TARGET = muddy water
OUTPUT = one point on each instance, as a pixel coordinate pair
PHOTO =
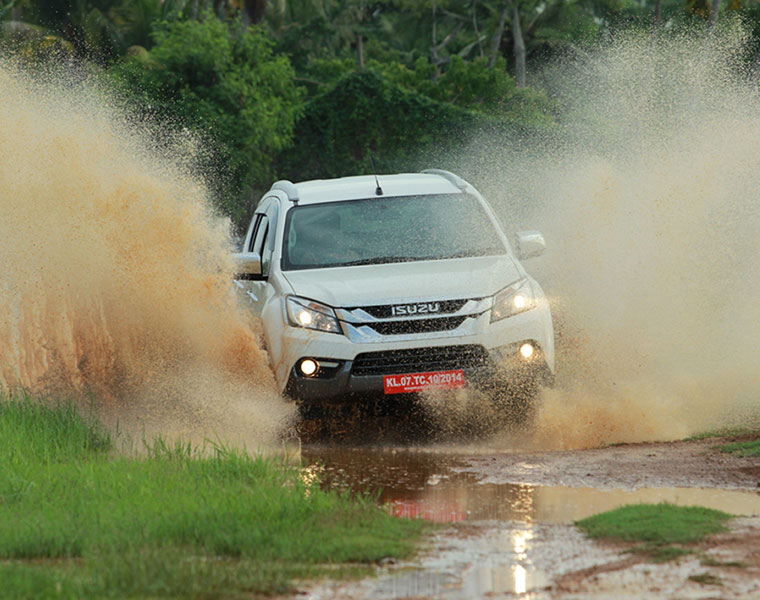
(442, 487)
(510, 539)
(648, 202)
(117, 271)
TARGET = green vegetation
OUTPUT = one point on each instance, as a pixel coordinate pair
(747, 444)
(706, 579)
(199, 74)
(659, 553)
(725, 432)
(658, 525)
(709, 561)
(79, 520)
(748, 448)
(365, 114)
(655, 523)
(313, 89)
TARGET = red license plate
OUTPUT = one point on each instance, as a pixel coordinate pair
(416, 382)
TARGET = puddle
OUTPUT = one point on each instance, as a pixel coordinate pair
(512, 540)
(429, 485)
(511, 537)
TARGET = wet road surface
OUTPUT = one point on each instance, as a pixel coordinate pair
(508, 538)
(443, 487)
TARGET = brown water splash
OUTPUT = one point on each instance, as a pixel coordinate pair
(648, 199)
(116, 273)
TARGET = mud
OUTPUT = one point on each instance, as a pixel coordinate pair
(633, 466)
(555, 562)
(508, 519)
(117, 276)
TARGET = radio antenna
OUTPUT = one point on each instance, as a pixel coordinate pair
(378, 189)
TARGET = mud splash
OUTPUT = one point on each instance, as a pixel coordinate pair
(647, 198)
(116, 277)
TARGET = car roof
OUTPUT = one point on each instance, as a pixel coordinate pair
(364, 186)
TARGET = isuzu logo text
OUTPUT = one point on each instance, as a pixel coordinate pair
(415, 309)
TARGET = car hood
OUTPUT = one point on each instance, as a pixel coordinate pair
(418, 281)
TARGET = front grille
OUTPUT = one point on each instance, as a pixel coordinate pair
(417, 325)
(385, 311)
(419, 360)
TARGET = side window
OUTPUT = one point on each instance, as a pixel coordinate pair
(256, 230)
(260, 236)
(263, 233)
(269, 241)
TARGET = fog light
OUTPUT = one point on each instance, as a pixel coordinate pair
(309, 367)
(526, 350)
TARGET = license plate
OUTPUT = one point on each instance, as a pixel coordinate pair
(416, 382)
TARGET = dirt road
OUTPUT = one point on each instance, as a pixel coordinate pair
(508, 520)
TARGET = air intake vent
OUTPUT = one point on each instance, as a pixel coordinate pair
(410, 326)
(419, 360)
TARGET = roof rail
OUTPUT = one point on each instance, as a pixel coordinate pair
(455, 179)
(288, 187)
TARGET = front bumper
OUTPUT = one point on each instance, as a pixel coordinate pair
(288, 345)
(364, 375)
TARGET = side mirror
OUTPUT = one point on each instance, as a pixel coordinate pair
(247, 265)
(529, 244)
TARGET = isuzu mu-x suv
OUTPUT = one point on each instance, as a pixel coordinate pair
(394, 284)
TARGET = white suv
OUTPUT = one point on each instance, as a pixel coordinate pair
(394, 284)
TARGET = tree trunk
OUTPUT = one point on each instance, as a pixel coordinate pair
(498, 34)
(518, 46)
(475, 26)
(713, 15)
(360, 50)
(255, 10)
(657, 18)
(435, 17)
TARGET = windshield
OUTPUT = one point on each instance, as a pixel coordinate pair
(386, 230)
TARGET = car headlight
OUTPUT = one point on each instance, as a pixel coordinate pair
(311, 315)
(512, 300)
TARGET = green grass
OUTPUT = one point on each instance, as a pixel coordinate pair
(748, 448)
(709, 561)
(655, 523)
(659, 526)
(77, 520)
(706, 579)
(724, 432)
(658, 553)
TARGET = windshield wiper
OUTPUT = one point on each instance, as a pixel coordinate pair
(377, 260)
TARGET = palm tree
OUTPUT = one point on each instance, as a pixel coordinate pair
(136, 19)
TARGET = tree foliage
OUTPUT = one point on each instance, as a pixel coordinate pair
(392, 78)
(214, 77)
(365, 114)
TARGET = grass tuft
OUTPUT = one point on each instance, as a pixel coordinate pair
(724, 432)
(34, 431)
(706, 579)
(709, 561)
(749, 448)
(658, 553)
(655, 523)
(80, 521)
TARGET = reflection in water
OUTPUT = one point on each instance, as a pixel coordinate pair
(521, 579)
(429, 485)
(418, 484)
